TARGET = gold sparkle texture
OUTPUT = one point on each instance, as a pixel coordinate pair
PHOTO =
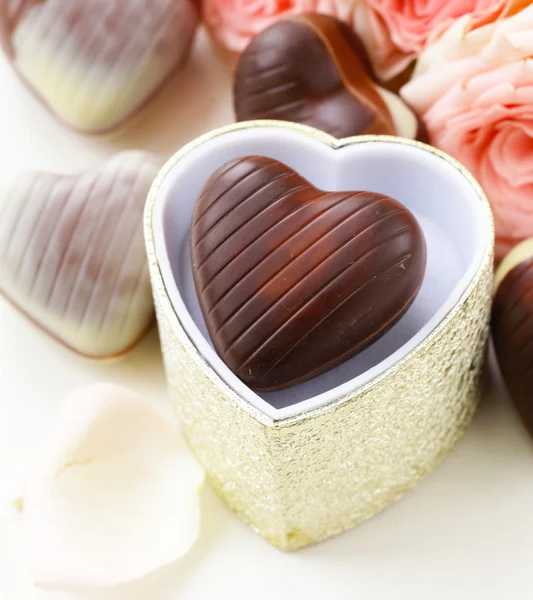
(302, 479)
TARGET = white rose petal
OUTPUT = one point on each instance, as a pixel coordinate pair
(115, 495)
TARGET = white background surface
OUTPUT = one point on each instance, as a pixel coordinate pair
(466, 532)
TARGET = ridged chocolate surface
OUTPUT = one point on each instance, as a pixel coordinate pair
(293, 280)
(95, 62)
(72, 254)
(313, 69)
(512, 330)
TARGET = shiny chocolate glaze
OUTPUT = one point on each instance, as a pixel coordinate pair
(293, 280)
(512, 330)
(313, 69)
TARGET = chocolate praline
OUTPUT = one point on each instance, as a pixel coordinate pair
(96, 63)
(512, 327)
(72, 255)
(313, 69)
(293, 280)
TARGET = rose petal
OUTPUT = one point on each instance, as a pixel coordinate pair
(114, 496)
(234, 22)
(413, 24)
(512, 156)
(463, 52)
(486, 122)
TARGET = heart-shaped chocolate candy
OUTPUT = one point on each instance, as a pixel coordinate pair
(313, 69)
(95, 62)
(72, 254)
(293, 280)
(512, 327)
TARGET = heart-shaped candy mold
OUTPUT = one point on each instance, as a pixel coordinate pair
(293, 280)
(95, 62)
(72, 256)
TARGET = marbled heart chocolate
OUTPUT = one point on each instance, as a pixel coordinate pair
(72, 254)
(96, 62)
(512, 327)
(313, 69)
(293, 280)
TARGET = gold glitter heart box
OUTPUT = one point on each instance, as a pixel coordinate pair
(305, 463)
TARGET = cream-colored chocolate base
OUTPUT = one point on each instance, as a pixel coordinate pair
(301, 478)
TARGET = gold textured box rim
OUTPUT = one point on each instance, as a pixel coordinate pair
(333, 143)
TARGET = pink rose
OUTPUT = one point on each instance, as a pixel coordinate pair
(234, 22)
(387, 59)
(412, 23)
(474, 89)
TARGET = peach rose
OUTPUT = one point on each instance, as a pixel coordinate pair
(234, 22)
(412, 23)
(474, 89)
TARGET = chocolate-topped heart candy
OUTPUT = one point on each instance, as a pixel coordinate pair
(512, 327)
(293, 280)
(72, 254)
(313, 69)
(94, 63)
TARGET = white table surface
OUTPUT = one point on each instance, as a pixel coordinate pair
(466, 532)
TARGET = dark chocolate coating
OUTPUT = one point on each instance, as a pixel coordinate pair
(312, 69)
(512, 330)
(293, 280)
